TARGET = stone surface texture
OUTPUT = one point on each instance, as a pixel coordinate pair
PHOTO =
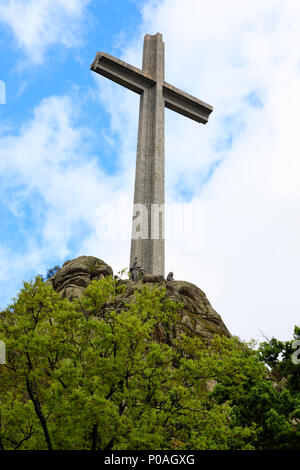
(75, 275)
(150, 165)
(197, 317)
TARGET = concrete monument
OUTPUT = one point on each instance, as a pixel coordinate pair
(147, 243)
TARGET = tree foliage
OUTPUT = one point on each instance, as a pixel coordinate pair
(273, 405)
(80, 375)
(52, 271)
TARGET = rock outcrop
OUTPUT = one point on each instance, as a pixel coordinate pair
(197, 317)
(75, 275)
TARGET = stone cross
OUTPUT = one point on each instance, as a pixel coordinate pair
(147, 242)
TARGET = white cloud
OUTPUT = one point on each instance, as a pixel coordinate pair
(225, 53)
(49, 173)
(38, 24)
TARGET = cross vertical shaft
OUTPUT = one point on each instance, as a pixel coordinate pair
(149, 191)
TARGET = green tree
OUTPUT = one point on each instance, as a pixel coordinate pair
(274, 407)
(278, 356)
(80, 375)
(52, 271)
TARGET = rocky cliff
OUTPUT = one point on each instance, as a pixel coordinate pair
(196, 316)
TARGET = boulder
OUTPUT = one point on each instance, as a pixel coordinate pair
(75, 275)
(196, 316)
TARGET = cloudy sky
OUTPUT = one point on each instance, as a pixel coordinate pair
(68, 145)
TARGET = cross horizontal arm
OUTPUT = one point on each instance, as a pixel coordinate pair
(186, 104)
(121, 72)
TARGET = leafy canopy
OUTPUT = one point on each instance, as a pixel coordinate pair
(80, 375)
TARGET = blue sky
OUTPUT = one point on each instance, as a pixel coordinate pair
(68, 143)
(64, 69)
(37, 72)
